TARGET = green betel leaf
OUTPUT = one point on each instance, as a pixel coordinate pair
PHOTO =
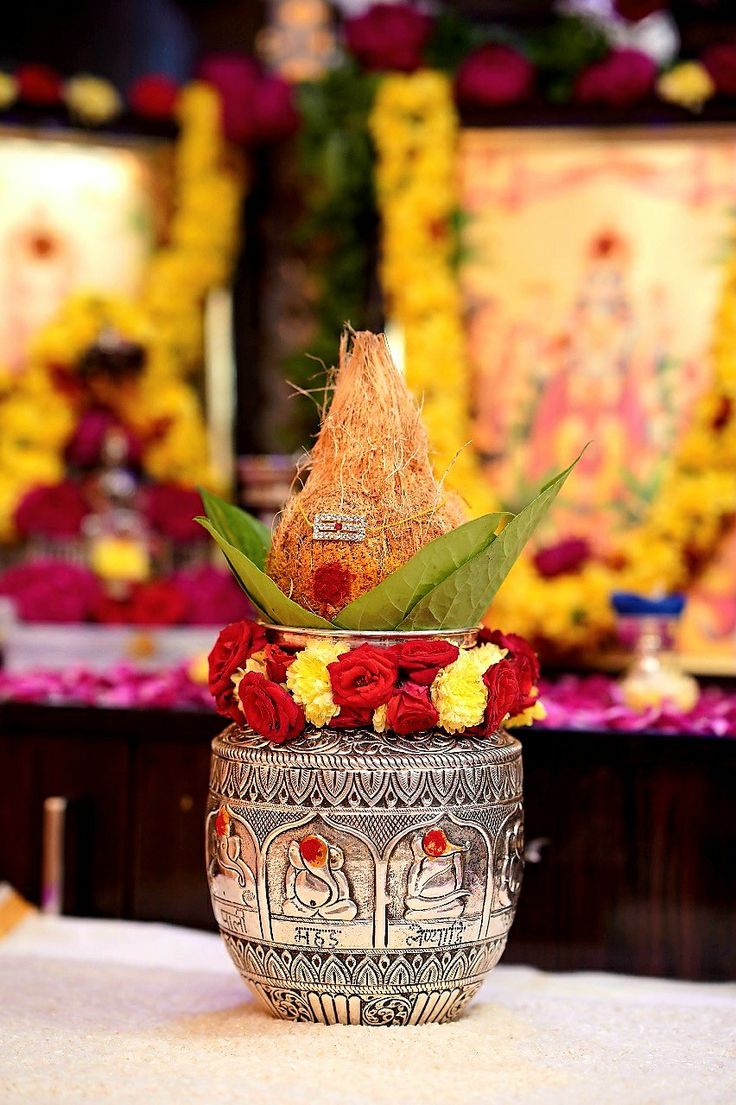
(241, 529)
(261, 590)
(463, 597)
(392, 599)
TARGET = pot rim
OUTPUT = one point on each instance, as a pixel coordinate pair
(396, 634)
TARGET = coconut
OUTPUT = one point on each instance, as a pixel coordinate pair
(370, 500)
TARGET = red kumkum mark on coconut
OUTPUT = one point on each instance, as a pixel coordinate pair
(331, 583)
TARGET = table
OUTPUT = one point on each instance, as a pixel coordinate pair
(124, 1012)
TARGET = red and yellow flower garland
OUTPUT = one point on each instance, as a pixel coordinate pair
(404, 688)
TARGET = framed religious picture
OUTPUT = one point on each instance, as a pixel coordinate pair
(593, 268)
(76, 212)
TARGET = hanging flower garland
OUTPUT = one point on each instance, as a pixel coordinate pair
(415, 128)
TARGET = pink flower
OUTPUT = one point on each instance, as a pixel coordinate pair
(621, 79)
(493, 75)
(53, 510)
(564, 557)
(256, 107)
(720, 61)
(170, 509)
(50, 591)
(85, 447)
(389, 36)
(274, 113)
(212, 596)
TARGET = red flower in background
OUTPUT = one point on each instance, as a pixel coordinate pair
(269, 710)
(420, 660)
(153, 96)
(494, 75)
(389, 36)
(51, 510)
(566, 556)
(364, 677)
(621, 79)
(157, 603)
(503, 695)
(50, 591)
(38, 84)
(410, 710)
(235, 643)
(274, 113)
(720, 61)
(170, 509)
(212, 596)
(636, 10)
(331, 584)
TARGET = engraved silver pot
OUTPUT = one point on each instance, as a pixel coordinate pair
(365, 879)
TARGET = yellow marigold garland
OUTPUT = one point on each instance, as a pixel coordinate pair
(415, 129)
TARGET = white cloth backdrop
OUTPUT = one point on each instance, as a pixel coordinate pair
(107, 1011)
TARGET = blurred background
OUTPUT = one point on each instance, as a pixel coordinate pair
(535, 200)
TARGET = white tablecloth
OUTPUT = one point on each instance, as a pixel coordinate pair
(95, 1011)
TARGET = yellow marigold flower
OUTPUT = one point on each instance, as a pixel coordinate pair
(459, 693)
(91, 99)
(689, 84)
(198, 669)
(533, 713)
(8, 90)
(379, 719)
(309, 680)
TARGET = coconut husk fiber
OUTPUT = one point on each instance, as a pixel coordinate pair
(370, 460)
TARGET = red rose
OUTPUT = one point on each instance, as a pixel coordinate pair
(170, 509)
(236, 77)
(363, 677)
(420, 659)
(331, 584)
(520, 652)
(38, 84)
(235, 644)
(720, 61)
(621, 79)
(636, 10)
(269, 709)
(388, 36)
(154, 96)
(54, 510)
(564, 557)
(157, 603)
(494, 75)
(351, 718)
(503, 695)
(410, 710)
(278, 662)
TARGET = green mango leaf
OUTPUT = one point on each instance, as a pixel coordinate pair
(238, 527)
(390, 601)
(261, 590)
(463, 597)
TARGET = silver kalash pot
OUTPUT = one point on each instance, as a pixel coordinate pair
(360, 878)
